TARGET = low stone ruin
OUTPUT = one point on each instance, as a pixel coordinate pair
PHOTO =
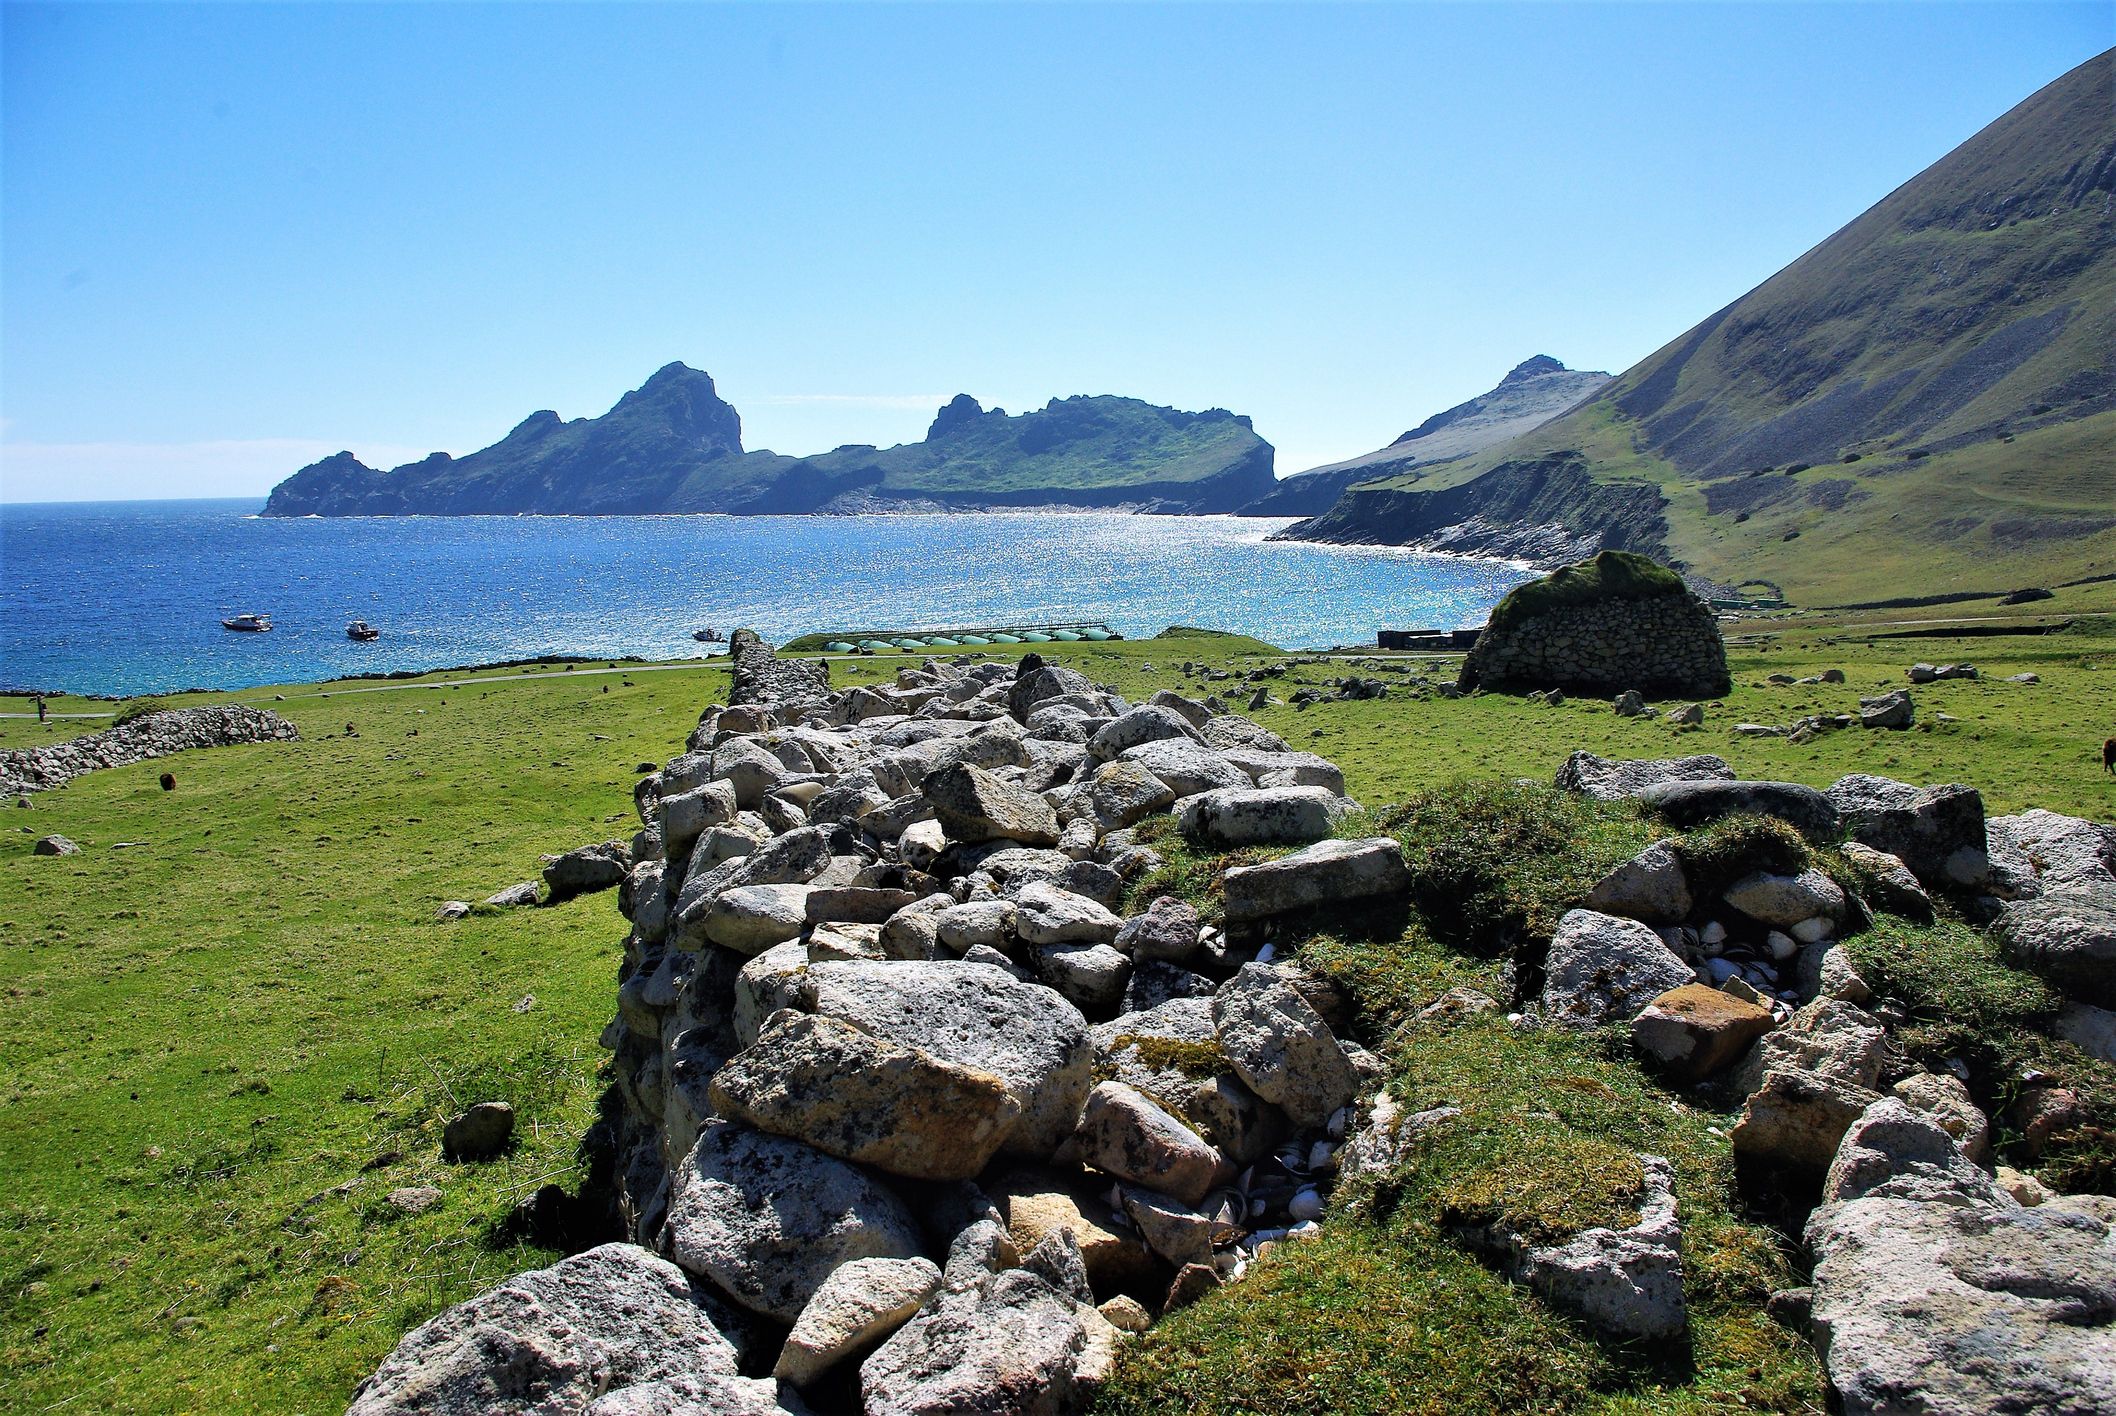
(1938, 1285)
(911, 1114)
(1608, 625)
(36, 769)
(925, 1107)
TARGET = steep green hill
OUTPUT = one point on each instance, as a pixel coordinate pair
(674, 445)
(1923, 403)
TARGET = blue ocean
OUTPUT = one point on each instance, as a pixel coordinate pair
(127, 597)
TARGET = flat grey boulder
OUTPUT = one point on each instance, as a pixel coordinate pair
(1651, 887)
(1090, 976)
(1011, 1344)
(2065, 852)
(2066, 936)
(56, 845)
(588, 868)
(866, 1099)
(1611, 779)
(1939, 832)
(1327, 872)
(1603, 969)
(1228, 731)
(1121, 794)
(1934, 1292)
(1188, 767)
(751, 918)
(1889, 710)
(1046, 914)
(1149, 722)
(767, 1219)
(1288, 769)
(1888, 884)
(1281, 1047)
(976, 806)
(1687, 804)
(975, 1015)
(606, 1321)
(1260, 816)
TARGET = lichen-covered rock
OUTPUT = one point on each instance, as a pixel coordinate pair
(1260, 816)
(1149, 722)
(977, 1016)
(1608, 779)
(1188, 767)
(976, 806)
(767, 1219)
(1938, 832)
(1047, 914)
(866, 1099)
(1888, 884)
(1012, 1343)
(1123, 1133)
(858, 1306)
(1034, 1204)
(1650, 887)
(608, 1320)
(1693, 1031)
(2069, 937)
(1602, 969)
(1281, 1047)
(1167, 930)
(1785, 900)
(1328, 872)
(1935, 1292)
(589, 868)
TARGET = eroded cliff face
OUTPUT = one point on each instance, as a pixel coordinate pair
(1547, 511)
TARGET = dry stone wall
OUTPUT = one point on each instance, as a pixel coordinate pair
(35, 769)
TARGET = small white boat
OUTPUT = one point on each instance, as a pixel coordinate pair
(248, 624)
(362, 631)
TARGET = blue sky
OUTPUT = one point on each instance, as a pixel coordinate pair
(234, 238)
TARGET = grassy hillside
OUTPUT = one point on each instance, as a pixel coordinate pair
(226, 1043)
(1927, 394)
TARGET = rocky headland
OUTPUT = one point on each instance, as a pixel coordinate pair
(674, 445)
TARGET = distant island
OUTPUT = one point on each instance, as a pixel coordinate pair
(674, 445)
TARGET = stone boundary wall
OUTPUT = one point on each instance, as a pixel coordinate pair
(37, 769)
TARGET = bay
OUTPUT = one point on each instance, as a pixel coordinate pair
(127, 597)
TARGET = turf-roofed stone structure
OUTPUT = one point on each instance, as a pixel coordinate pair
(1605, 625)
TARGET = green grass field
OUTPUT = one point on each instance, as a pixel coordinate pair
(226, 1041)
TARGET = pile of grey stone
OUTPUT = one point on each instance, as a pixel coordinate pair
(925, 1108)
(1941, 1283)
(36, 769)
